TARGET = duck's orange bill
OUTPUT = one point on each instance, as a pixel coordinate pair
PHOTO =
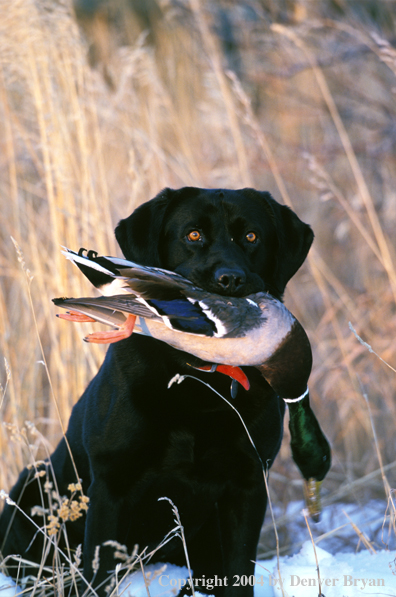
(233, 372)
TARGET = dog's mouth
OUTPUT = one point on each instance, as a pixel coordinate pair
(228, 282)
(256, 284)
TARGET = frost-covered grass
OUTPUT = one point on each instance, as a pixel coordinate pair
(370, 570)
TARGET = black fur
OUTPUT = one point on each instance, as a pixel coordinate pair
(135, 441)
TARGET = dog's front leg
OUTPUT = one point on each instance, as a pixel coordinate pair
(102, 526)
(240, 519)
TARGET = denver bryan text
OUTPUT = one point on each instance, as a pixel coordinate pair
(344, 581)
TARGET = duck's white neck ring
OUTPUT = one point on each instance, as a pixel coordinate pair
(297, 399)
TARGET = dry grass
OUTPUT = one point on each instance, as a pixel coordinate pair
(309, 115)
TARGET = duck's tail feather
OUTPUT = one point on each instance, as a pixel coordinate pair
(148, 282)
(99, 272)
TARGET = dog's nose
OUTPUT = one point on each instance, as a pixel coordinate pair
(230, 279)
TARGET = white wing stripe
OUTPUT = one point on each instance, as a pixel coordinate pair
(221, 330)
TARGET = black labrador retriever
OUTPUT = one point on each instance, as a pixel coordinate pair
(134, 440)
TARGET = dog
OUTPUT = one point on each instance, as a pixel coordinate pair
(134, 440)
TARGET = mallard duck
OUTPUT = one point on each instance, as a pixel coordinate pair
(226, 332)
(256, 330)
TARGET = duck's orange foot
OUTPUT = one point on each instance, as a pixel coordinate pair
(74, 316)
(123, 332)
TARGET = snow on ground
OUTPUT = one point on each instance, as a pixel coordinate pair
(334, 532)
(342, 573)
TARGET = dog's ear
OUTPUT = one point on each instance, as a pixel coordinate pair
(294, 238)
(138, 235)
(294, 241)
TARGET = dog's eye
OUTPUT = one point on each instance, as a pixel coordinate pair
(251, 237)
(194, 235)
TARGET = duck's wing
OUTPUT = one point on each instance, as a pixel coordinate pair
(155, 283)
(111, 275)
(233, 317)
(93, 312)
(179, 315)
(208, 315)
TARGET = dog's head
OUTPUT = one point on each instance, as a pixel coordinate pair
(229, 242)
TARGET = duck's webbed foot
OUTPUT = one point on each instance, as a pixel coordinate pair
(123, 332)
(76, 317)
